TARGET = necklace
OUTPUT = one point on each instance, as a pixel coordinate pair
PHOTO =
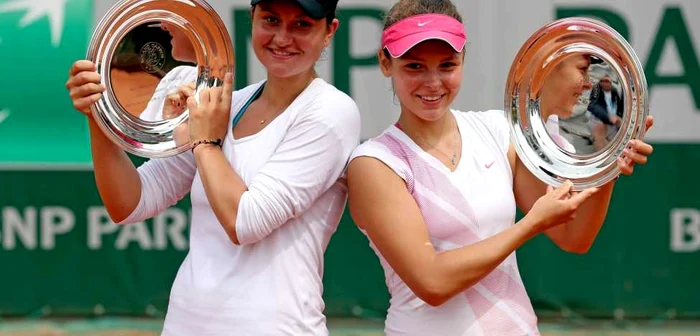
(453, 157)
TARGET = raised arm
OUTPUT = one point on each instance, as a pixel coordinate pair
(306, 164)
(117, 180)
(164, 182)
(578, 235)
(129, 194)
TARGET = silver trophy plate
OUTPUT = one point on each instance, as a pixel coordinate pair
(576, 94)
(148, 52)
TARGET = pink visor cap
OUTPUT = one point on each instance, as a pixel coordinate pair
(407, 33)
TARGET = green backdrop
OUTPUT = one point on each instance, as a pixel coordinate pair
(60, 255)
(58, 250)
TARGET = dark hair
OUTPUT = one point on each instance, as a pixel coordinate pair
(408, 8)
(330, 6)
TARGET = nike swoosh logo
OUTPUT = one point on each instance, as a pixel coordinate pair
(488, 165)
(421, 24)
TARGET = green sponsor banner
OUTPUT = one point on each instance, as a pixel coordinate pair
(644, 261)
(61, 254)
(39, 40)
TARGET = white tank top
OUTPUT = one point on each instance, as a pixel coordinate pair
(460, 208)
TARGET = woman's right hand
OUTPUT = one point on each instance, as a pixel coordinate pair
(84, 85)
(558, 206)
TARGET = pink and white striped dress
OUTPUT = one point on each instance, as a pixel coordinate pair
(460, 208)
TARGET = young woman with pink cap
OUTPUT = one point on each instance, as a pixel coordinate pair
(436, 193)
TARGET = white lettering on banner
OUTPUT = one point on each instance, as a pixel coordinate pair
(136, 232)
(19, 229)
(55, 221)
(685, 230)
(15, 225)
(99, 224)
(168, 226)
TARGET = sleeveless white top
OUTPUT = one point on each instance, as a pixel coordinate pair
(460, 208)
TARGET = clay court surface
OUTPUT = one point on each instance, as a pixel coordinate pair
(338, 327)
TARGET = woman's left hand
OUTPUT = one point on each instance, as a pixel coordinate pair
(209, 119)
(636, 152)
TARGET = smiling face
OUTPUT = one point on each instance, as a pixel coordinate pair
(426, 79)
(565, 84)
(286, 40)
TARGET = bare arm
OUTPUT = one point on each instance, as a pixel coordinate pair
(381, 205)
(578, 235)
(116, 177)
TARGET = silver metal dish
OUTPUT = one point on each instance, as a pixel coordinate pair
(576, 94)
(144, 51)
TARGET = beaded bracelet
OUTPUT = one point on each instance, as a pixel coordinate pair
(217, 142)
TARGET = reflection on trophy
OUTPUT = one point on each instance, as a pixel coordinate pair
(146, 69)
(152, 55)
(561, 92)
(582, 104)
(577, 95)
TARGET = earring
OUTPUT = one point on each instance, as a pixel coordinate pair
(324, 55)
(393, 93)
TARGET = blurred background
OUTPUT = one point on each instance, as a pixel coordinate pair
(65, 269)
